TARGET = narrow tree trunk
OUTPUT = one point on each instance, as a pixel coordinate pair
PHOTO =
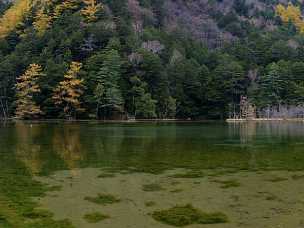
(3, 109)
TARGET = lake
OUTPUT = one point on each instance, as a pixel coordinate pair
(93, 174)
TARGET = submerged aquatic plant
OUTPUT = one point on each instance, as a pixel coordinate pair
(95, 217)
(177, 190)
(48, 223)
(152, 188)
(297, 177)
(228, 183)
(277, 179)
(150, 203)
(187, 215)
(106, 175)
(37, 214)
(103, 199)
(189, 174)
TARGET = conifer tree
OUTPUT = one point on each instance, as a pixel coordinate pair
(26, 87)
(107, 93)
(67, 94)
(144, 105)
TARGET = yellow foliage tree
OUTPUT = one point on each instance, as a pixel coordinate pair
(68, 92)
(42, 22)
(26, 87)
(13, 16)
(292, 14)
(90, 10)
(65, 5)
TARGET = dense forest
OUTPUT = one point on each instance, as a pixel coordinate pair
(116, 59)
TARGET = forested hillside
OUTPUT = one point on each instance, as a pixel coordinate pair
(109, 59)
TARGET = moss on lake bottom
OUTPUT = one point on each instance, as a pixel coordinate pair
(49, 223)
(187, 215)
(3, 222)
(95, 217)
(150, 203)
(277, 179)
(189, 174)
(177, 190)
(103, 199)
(152, 188)
(106, 175)
(228, 183)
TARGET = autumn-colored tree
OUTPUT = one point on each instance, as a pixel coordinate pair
(14, 16)
(67, 94)
(42, 22)
(65, 5)
(26, 87)
(292, 14)
(90, 10)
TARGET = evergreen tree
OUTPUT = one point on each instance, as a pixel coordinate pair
(107, 93)
(144, 105)
(271, 86)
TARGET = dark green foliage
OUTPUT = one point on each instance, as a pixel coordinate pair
(177, 76)
(187, 215)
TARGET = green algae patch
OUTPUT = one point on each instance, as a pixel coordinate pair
(103, 199)
(152, 188)
(37, 214)
(188, 215)
(3, 222)
(54, 188)
(228, 183)
(277, 179)
(189, 174)
(18, 191)
(48, 223)
(106, 175)
(150, 203)
(95, 217)
(178, 190)
(297, 177)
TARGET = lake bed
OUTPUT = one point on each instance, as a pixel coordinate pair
(248, 174)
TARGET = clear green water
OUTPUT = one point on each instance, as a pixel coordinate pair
(30, 150)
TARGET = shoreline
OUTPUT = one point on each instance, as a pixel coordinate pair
(265, 120)
(13, 120)
(110, 121)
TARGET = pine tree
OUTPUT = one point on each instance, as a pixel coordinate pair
(271, 85)
(67, 94)
(26, 87)
(144, 105)
(90, 10)
(107, 93)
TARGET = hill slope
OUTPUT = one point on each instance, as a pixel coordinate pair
(147, 58)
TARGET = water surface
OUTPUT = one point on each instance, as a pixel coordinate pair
(252, 172)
